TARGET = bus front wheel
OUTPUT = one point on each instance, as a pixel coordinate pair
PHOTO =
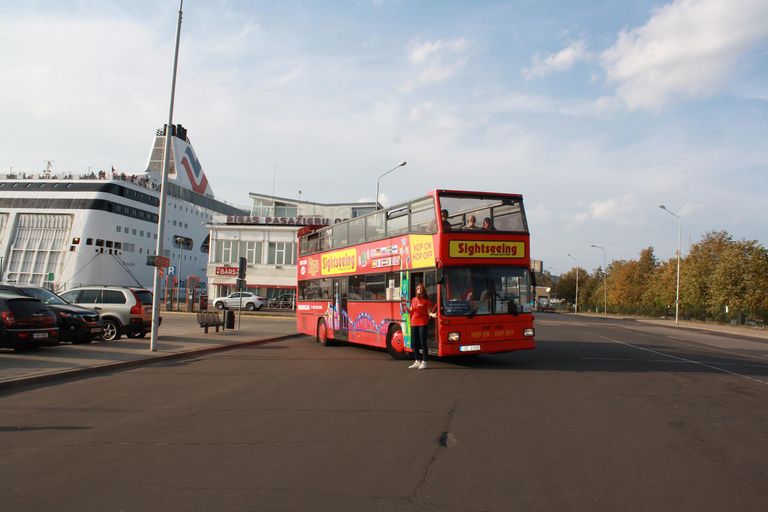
(322, 334)
(396, 343)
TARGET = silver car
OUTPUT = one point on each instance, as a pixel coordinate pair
(248, 300)
(124, 310)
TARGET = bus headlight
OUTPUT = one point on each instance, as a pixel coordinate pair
(528, 333)
(454, 336)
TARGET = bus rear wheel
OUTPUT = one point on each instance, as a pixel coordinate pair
(396, 343)
(322, 334)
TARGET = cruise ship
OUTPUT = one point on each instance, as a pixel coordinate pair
(64, 230)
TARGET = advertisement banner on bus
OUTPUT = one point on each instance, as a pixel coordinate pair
(486, 249)
(409, 252)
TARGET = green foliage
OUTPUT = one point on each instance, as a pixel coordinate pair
(718, 272)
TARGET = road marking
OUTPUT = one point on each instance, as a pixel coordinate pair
(682, 359)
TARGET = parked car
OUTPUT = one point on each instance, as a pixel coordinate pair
(282, 301)
(76, 324)
(124, 310)
(26, 323)
(248, 300)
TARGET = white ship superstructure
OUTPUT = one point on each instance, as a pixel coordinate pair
(64, 231)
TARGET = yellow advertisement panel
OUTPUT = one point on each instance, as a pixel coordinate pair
(486, 249)
(422, 251)
(339, 262)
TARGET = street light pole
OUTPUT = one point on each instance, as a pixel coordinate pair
(556, 276)
(577, 283)
(605, 279)
(677, 293)
(180, 241)
(377, 181)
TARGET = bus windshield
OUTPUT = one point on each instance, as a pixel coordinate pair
(485, 291)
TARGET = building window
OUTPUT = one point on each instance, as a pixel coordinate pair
(281, 253)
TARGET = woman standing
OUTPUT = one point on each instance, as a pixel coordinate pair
(420, 312)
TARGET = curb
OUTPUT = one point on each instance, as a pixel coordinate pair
(120, 365)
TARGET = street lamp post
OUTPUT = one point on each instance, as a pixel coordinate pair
(605, 280)
(677, 293)
(377, 181)
(556, 275)
(180, 241)
(577, 283)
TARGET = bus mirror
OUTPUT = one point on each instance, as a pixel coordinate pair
(439, 277)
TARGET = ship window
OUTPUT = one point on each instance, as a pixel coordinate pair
(41, 185)
(99, 243)
(109, 243)
(69, 185)
(14, 185)
(27, 185)
(118, 228)
(118, 245)
(89, 241)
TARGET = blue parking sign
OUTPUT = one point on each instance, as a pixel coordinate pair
(172, 271)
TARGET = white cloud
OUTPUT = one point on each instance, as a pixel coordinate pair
(543, 65)
(438, 61)
(623, 210)
(687, 49)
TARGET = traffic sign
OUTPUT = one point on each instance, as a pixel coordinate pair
(172, 270)
(158, 261)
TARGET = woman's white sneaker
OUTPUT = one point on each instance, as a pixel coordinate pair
(423, 365)
(417, 364)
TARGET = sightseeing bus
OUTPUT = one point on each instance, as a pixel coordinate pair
(470, 250)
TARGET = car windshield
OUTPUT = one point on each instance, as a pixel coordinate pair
(46, 296)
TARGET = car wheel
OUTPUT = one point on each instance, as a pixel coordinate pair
(219, 305)
(250, 306)
(111, 330)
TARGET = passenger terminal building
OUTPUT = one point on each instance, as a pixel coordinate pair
(267, 238)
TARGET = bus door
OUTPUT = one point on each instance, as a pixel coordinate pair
(340, 288)
(429, 281)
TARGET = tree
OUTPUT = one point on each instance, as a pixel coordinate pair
(700, 264)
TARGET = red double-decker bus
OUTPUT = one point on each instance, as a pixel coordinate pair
(471, 251)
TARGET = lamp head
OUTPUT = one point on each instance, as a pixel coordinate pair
(662, 207)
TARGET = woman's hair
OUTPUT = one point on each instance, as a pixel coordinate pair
(423, 295)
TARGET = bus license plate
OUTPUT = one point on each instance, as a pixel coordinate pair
(40, 335)
(469, 348)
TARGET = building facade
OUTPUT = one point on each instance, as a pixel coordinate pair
(267, 239)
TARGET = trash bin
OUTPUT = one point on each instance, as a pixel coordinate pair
(229, 319)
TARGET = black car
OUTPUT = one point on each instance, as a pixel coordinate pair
(26, 323)
(76, 323)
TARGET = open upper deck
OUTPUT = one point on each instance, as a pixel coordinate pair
(504, 214)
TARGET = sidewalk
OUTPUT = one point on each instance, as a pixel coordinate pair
(180, 336)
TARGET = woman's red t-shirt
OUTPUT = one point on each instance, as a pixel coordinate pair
(419, 311)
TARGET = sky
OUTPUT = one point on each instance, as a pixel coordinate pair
(596, 111)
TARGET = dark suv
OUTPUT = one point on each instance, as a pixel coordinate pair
(76, 324)
(124, 310)
(26, 323)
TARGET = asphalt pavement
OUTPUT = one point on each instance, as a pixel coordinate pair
(180, 336)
